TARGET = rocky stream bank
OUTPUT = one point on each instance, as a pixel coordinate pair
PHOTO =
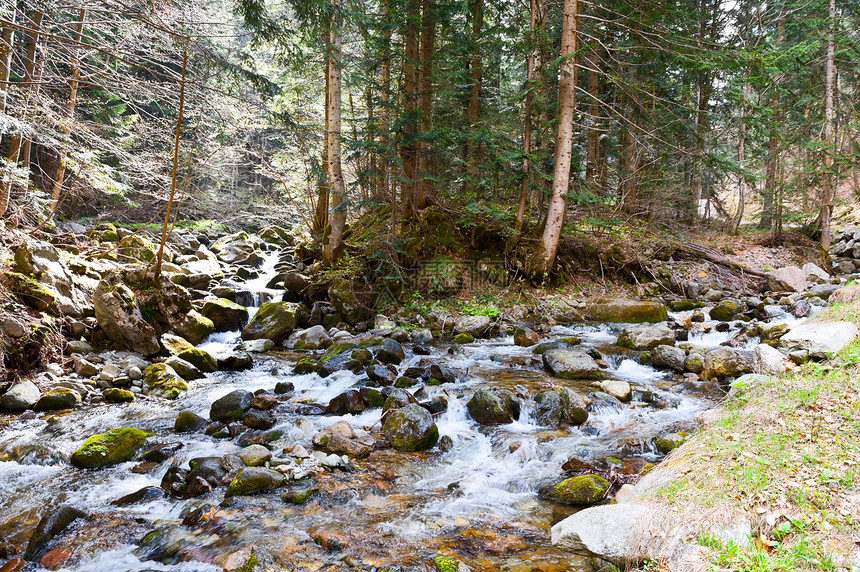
(243, 413)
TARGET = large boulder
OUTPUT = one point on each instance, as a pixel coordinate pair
(584, 490)
(669, 356)
(410, 428)
(727, 310)
(493, 407)
(195, 327)
(627, 311)
(561, 404)
(476, 326)
(646, 336)
(231, 407)
(273, 321)
(41, 261)
(815, 274)
(226, 316)
(201, 359)
(21, 396)
(787, 279)
(820, 339)
(722, 362)
(571, 363)
(236, 248)
(138, 248)
(768, 360)
(253, 480)
(114, 447)
(58, 399)
(120, 316)
(162, 379)
(352, 302)
(313, 338)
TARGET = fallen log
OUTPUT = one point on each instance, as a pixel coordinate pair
(713, 256)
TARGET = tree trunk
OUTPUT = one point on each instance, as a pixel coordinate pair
(473, 147)
(333, 246)
(70, 112)
(541, 261)
(527, 130)
(410, 188)
(773, 145)
(828, 191)
(742, 178)
(629, 199)
(7, 42)
(32, 76)
(385, 157)
(592, 154)
(428, 41)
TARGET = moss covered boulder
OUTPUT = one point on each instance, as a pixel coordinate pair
(352, 301)
(195, 327)
(727, 310)
(231, 407)
(444, 563)
(273, 321)
(30, 291)
(646, 336)
(574, 363)
(175, 345)
(226, 316)
(201, 359)
(254, 480)
(160, 377)
(117, 395)
(42, 262)
(492, 407)
(411, 428)
(584, 490)
(120, 316)
(627, 311)
(139, 248)
(114, 447)
(58, 399)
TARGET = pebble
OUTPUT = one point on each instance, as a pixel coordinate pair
(134, 373)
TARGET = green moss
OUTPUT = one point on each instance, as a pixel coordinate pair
(29, 291)
(429, 440)
(114, 447)
(299, 497)
(446, 563)
(200, 358)
(464, 338)
(304, 366)
(583, 490)
(161, 377)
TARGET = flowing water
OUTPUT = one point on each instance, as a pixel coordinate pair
(478, 500)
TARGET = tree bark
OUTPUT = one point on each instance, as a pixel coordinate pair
(428, 41)
(70, 112)
(473, 148)
(828, 191)
(7, 42)
(742, 141)
(593, 151)
(410, 188)
(333, 245)
(629, 198)
(773, 145)
(541, 261)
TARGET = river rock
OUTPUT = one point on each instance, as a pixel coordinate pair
(561, 404)
(119, 315)
(350, 401)
(254, 455)
(525, 337)
(390, 352)
(161, 378)
(188, 422)
(820, 339)
(49, 527)
(273, 321)
(256, 419)
(571, 363)
(78, 347)
(352, 302)
(339, 445)
(815, 274)
(494, 407)
(226, 316)
(195, 327)
(114, 447)
(118, 395)
(787, 279)
(231, 407)
(258, 346)
(627, 311)
(58, 399)
(313, 338)
(548, 410)
(44, 263)
(380, 374)
(144, 495)
(185, 369)
(411, 428)
(646, 336)
(668, 442)
(201, 359)
(584, 490)
(236, 360)
(253, 480)
(235, 248)
(13, 328)
(174, 344)
(723, 362)
(617, 388)
(21, 396)
(727, 310)
(669, 356)
(476, 326)
(768, 360)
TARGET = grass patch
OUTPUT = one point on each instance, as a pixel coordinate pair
(786, 453)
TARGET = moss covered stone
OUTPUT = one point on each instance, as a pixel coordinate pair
(117, 395)
(58, 399)
(411, 428)
(253, 480)
(29, 291)
(226, 316)
(445, 563)
(175, 345)
(273, 321)
(161, 377)
(726, 310)
(139, 248)
(114, 447)
(583, 490)
(195, 327)
(203, 360)
(464, 338)
(627, 311)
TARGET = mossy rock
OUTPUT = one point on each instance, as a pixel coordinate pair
(464, 338)
(175, 345)
(584, 490)
(445, 563)
(411, 428)
(299, 497)
(161, 377)
(29, 291)
(627, 311)
(726, 310)
(108, 232)
(139, 248)
(58, 399)
(226, 316)
(273, 321)
(685, 305)
(118, 395)
(203, 360)
(195, 327)
(112, 448)
(304, 366)
(670, 441)
(253, 480)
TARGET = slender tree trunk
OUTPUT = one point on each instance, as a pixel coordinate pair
(7, 42)
(333, 246)
(527, 130)
(629, 185)
(773, 145)
(742, 141)
(70, 112)
(385, 158)
(541, 262)
(176, 140)
(409, 150)
(473, 147)
(32, 76)
(428, 41)
(828, 191)
(592, 143)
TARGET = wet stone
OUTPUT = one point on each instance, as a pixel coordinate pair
(257, 419)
